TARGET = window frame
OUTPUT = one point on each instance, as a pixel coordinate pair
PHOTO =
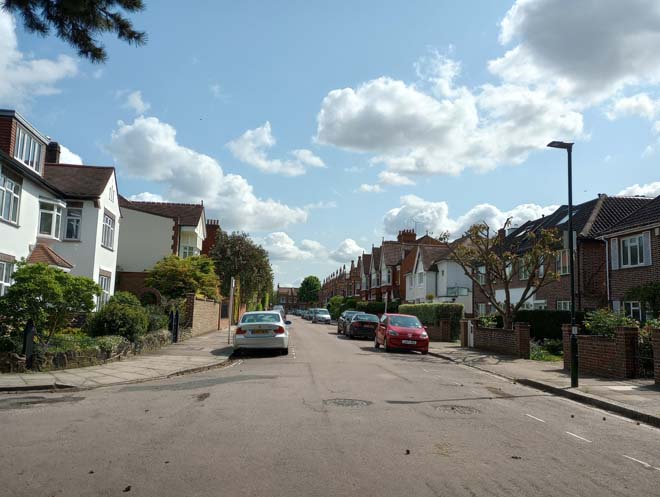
(6, 279)
(625, 251)
(108, 230)
(10, 189)
(28, 149)
(630, 306)
(560, 269)
(523, 271)
(70, 210)
(563, 305)
(105, 291)
(55, 231)
(481, 275)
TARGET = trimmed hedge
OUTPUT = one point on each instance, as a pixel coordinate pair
(431, 314)
(545, 324)
(377, 307)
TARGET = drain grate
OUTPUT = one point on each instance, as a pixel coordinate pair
(346, 402)
(454, 409)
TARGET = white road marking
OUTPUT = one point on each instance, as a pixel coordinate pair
(534, 417)
(578, 436)
(645, 464)
(234, 364)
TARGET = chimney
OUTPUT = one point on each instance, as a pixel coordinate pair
(406, 236)
(53, 153)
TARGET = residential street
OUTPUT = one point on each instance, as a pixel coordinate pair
(333, 418)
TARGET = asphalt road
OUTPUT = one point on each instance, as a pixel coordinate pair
(334, 418)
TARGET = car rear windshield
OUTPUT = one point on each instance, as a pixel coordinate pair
(261, 318)
(405, 321)
(324, 312)
(366, 317)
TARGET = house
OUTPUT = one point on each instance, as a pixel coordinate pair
(152, 231)
(589, 220)
(64, 215)
(365, 276)
(375, 274)
(288, 297)
(212, 229)
(633, 257)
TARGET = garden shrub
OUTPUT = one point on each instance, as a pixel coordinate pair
(10, 343)
(76, 342)
(431, 314)
(125, 298)
(373, 307)
(158, 317)
(604, 322)
(128, 321)
(111, 343)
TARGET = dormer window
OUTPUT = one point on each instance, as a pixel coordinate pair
(27, 149)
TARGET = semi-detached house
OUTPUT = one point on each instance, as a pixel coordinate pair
(63, 215)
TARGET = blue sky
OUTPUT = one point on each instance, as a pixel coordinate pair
(321, 128)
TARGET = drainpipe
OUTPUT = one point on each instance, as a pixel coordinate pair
(607, 270)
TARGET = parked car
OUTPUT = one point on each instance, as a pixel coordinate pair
(344, 320)
(262, 330)
(321, 316)
(281, 309)
(401, 331)
(307, 314)
(362, 326)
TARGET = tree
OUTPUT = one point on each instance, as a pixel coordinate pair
(236, 255)
(492, 261)
(80, 22)
(309, 290)
(335, 306)
(48, 296)
(174, 277)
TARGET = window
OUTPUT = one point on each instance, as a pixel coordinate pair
(104, 283)
(111, 193)
(633, 310)
(523, 272)
(188, 251)
(563, 262)
(73, 220)
(410, 281)
(6, 270)
(389, 276)
(50, 219)
(282, 300)
(10, 197)
(481, 309)
(632, 251)
(563, 305)
(540, 305)
(420, 279)
(27, 149)
(481, 275)
(108, 236)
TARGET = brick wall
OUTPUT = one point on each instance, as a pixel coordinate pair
(656, 355)
(202, 315)
(440, 333)
(510, 342)
(7, 135)
(623, 279)
(609, 357)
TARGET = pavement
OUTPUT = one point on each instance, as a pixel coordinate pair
(195, 354)
(635, 399)
(335, 417)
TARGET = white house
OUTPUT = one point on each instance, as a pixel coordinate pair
(434, 273)
(65, 216)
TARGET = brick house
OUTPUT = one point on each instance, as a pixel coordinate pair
(375, 274)
(365, 278)
(589, 220)
(212, 228)
(633, 257)
(152, 231)
(64, 215)
(288, 297)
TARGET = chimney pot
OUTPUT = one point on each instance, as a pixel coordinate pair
(53, 153)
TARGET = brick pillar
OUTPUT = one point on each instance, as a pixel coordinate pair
(463, 333)
(566, 342)
(627, 351)
(521, 331)
(445, 330)
(656, 354)
(189, 311)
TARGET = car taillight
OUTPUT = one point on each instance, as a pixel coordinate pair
(239, 331)
(279, 330)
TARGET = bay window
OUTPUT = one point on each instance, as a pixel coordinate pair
(50, 219)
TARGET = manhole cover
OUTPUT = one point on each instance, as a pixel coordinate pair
(457, 409)
(346, 402)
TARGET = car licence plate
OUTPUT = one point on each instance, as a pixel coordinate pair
(409, 342)
(260, 332)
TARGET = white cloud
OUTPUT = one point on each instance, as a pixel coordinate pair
(347, 251)
(640, 104)
(592, 50)
(281, 247)
(391, 178)
(370, 188)
(251, 148)
(68, 157)
(22, 78)
(434, 216)
(322, 204)
(147, 148)
(147, 197)
(647, 190)
(134, 101)
(353, 169)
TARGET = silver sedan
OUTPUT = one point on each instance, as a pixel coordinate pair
(262, 330)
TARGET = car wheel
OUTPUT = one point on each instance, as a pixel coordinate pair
(424, 352)
(338, 330)
(350, 334)
(285, 351)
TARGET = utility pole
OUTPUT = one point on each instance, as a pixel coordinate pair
(231, 308)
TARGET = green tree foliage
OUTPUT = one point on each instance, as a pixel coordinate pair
(121, 317)
(309, 290)
(236, 255)
(48, 296)
(174, 277)
(335, 306)
(497, 259)
(649, 294)
(80, 22)
(605, 322)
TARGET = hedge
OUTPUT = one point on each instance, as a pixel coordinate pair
(376, 307)
(431, 314)
(545, 323)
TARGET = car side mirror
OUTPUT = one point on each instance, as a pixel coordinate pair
(288, 323)
(426, 327)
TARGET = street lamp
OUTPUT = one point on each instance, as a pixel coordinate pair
(568, 146)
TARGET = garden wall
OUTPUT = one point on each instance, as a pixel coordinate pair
(441, 332)
(513, 342)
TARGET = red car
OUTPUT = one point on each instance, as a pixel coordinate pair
(401, 331)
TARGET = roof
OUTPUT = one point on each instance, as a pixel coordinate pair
(430, 254)
(43, 253)
(375, 257)
(25, 171)
(78, 181)
(648, 214)
(391, 253)
(287, 290)
(366, 263)
(187, 214)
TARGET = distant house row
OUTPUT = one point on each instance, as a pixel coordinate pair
(73, 217)
(617, 247)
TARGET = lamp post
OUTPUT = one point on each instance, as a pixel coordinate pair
(568, 146)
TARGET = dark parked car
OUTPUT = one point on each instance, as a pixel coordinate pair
(362, 326)
(343, 321)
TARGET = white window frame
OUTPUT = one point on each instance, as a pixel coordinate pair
(481, 275)
(78, 218)
(10, 199)
(6, 270)
(420, 279)
(27, 149)
(481, 309)
(632, 307)
(389, 276)
(108, 234)
(111, 193)
(540, 305)
(53, 209)
(523, 271)
(561, 269)
(188, 251)
(627, 248)
(563, 305)
(104, 283)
